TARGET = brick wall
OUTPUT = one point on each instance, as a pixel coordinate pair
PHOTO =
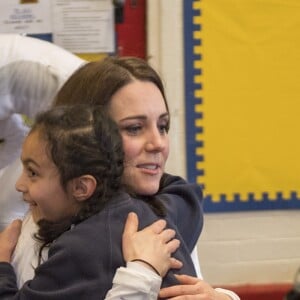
(254, 247)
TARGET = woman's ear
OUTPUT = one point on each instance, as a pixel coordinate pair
(83, 187)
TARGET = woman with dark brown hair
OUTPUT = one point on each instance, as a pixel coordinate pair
(127, 88)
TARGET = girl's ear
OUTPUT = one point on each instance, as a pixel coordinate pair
(83, 187)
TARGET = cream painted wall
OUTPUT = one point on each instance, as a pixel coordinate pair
(234, 248)
(166, 55)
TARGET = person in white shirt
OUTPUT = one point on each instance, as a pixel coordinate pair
(31, 72)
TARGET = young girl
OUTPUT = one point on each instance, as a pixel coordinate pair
(72, 180)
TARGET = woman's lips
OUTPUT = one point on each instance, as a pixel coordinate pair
(148, 166)
(149, 169)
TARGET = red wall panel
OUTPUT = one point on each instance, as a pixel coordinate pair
(131, 31)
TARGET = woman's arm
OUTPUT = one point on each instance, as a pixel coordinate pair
(175, 185)
(8, 240)
(194, 288)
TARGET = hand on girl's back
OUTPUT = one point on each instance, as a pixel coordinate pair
(154, 244)
(8, 240)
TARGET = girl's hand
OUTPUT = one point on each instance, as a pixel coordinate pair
(191, 288)
(8, 240)
(154, 244)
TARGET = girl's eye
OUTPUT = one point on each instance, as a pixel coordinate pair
(31, 173)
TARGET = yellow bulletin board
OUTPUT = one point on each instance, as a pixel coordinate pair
(242, 63)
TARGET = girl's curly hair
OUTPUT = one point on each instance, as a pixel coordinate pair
(81, 140)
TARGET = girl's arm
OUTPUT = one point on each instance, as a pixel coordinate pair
(134, 282)
(138, 280)
(153, 244)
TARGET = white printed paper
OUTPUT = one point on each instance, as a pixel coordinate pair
(84, 26)
(28, 17)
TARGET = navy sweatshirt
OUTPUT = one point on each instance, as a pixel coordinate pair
(82, 261)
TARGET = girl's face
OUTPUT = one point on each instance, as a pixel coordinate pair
(141, 114)
(40, 183)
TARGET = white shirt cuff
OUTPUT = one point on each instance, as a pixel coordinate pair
(135, 282)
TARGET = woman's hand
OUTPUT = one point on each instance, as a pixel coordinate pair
(154, 244)
(191, 288)
(8, 240)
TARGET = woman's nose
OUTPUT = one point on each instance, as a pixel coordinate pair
(155, 141)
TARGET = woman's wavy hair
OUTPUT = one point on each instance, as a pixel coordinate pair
(96, 82)
(81, 140)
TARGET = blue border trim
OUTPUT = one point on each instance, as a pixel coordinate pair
(190, 87)
(264, 202)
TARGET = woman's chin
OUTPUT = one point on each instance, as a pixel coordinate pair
(143, 184)
(148, 189)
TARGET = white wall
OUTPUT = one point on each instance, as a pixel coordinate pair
(248, 247)
(166, 55)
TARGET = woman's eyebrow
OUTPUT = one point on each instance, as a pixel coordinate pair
(134, 117)
(164, 115)
(144, 117)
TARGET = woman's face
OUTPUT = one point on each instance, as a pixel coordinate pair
(141, 114)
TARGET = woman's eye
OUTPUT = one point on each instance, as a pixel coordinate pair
(133, 130)
(164, 128)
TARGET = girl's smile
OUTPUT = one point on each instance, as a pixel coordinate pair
(40, 182)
